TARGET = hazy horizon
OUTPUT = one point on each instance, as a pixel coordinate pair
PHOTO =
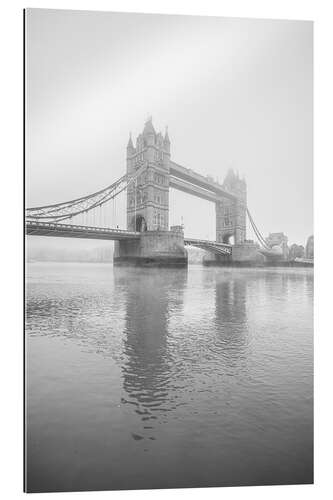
(233, 92)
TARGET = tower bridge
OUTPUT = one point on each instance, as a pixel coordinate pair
(147, 238)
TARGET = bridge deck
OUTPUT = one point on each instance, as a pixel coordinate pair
(75, 231)
(102, 233)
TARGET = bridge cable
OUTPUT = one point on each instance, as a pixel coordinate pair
(257, 232)
(83, 205)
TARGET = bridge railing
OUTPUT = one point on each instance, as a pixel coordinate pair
(73, 227)
(188, 241)
(210, 246)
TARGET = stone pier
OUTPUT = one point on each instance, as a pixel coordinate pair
(245, 254)
(153, 248)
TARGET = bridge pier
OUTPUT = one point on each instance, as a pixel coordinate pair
(245, 254)
(153, 248)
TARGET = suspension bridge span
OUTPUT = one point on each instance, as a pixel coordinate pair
(147, 238)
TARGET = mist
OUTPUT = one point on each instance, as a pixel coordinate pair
(233, 92)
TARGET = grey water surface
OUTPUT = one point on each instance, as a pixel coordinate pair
(155, 378)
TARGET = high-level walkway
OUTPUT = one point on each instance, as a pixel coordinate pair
(188, 181)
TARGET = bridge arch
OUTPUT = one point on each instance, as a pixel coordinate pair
(209, 246)
(139, 223)
(228, 238)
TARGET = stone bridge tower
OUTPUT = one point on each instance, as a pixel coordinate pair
(148, 195)
(230, 214)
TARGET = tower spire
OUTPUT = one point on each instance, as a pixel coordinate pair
(149, 127)
(166, 136)
(130, 146)
(166, 141)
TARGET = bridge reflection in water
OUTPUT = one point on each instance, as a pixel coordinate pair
(169, 378)
(161, 353)
(148, 371)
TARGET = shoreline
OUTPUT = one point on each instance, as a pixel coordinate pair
(250, 265)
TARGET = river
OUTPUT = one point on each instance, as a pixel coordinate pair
(156, 378)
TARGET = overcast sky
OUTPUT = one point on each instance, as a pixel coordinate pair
(234, 93)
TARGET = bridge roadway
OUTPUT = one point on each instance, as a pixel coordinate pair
(33, 228)
(74, 231)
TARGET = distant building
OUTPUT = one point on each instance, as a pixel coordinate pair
(296, 252)
(277, 241)
(309, 248)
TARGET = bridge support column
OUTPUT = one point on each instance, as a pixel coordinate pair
(148, 195)
(243, 255)
(231, 214)
(154, 248)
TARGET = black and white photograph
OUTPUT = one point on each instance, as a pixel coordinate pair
(169, 251)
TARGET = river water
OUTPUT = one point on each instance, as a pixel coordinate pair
(146, 378)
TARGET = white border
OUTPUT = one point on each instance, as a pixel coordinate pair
(11, 243)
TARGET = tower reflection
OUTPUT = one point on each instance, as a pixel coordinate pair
(232, 332)
(152, 296)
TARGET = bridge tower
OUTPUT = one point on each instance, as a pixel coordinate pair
(148, 195)
(231, 215)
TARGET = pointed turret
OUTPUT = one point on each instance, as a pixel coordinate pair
(166, 137)
(149, 134)
(231, 177)
(149, 128)
(166, 141)
(130, 146)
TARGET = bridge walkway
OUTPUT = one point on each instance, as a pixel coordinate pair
(37, 228)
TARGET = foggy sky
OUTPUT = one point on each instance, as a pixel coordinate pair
(233, 92)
